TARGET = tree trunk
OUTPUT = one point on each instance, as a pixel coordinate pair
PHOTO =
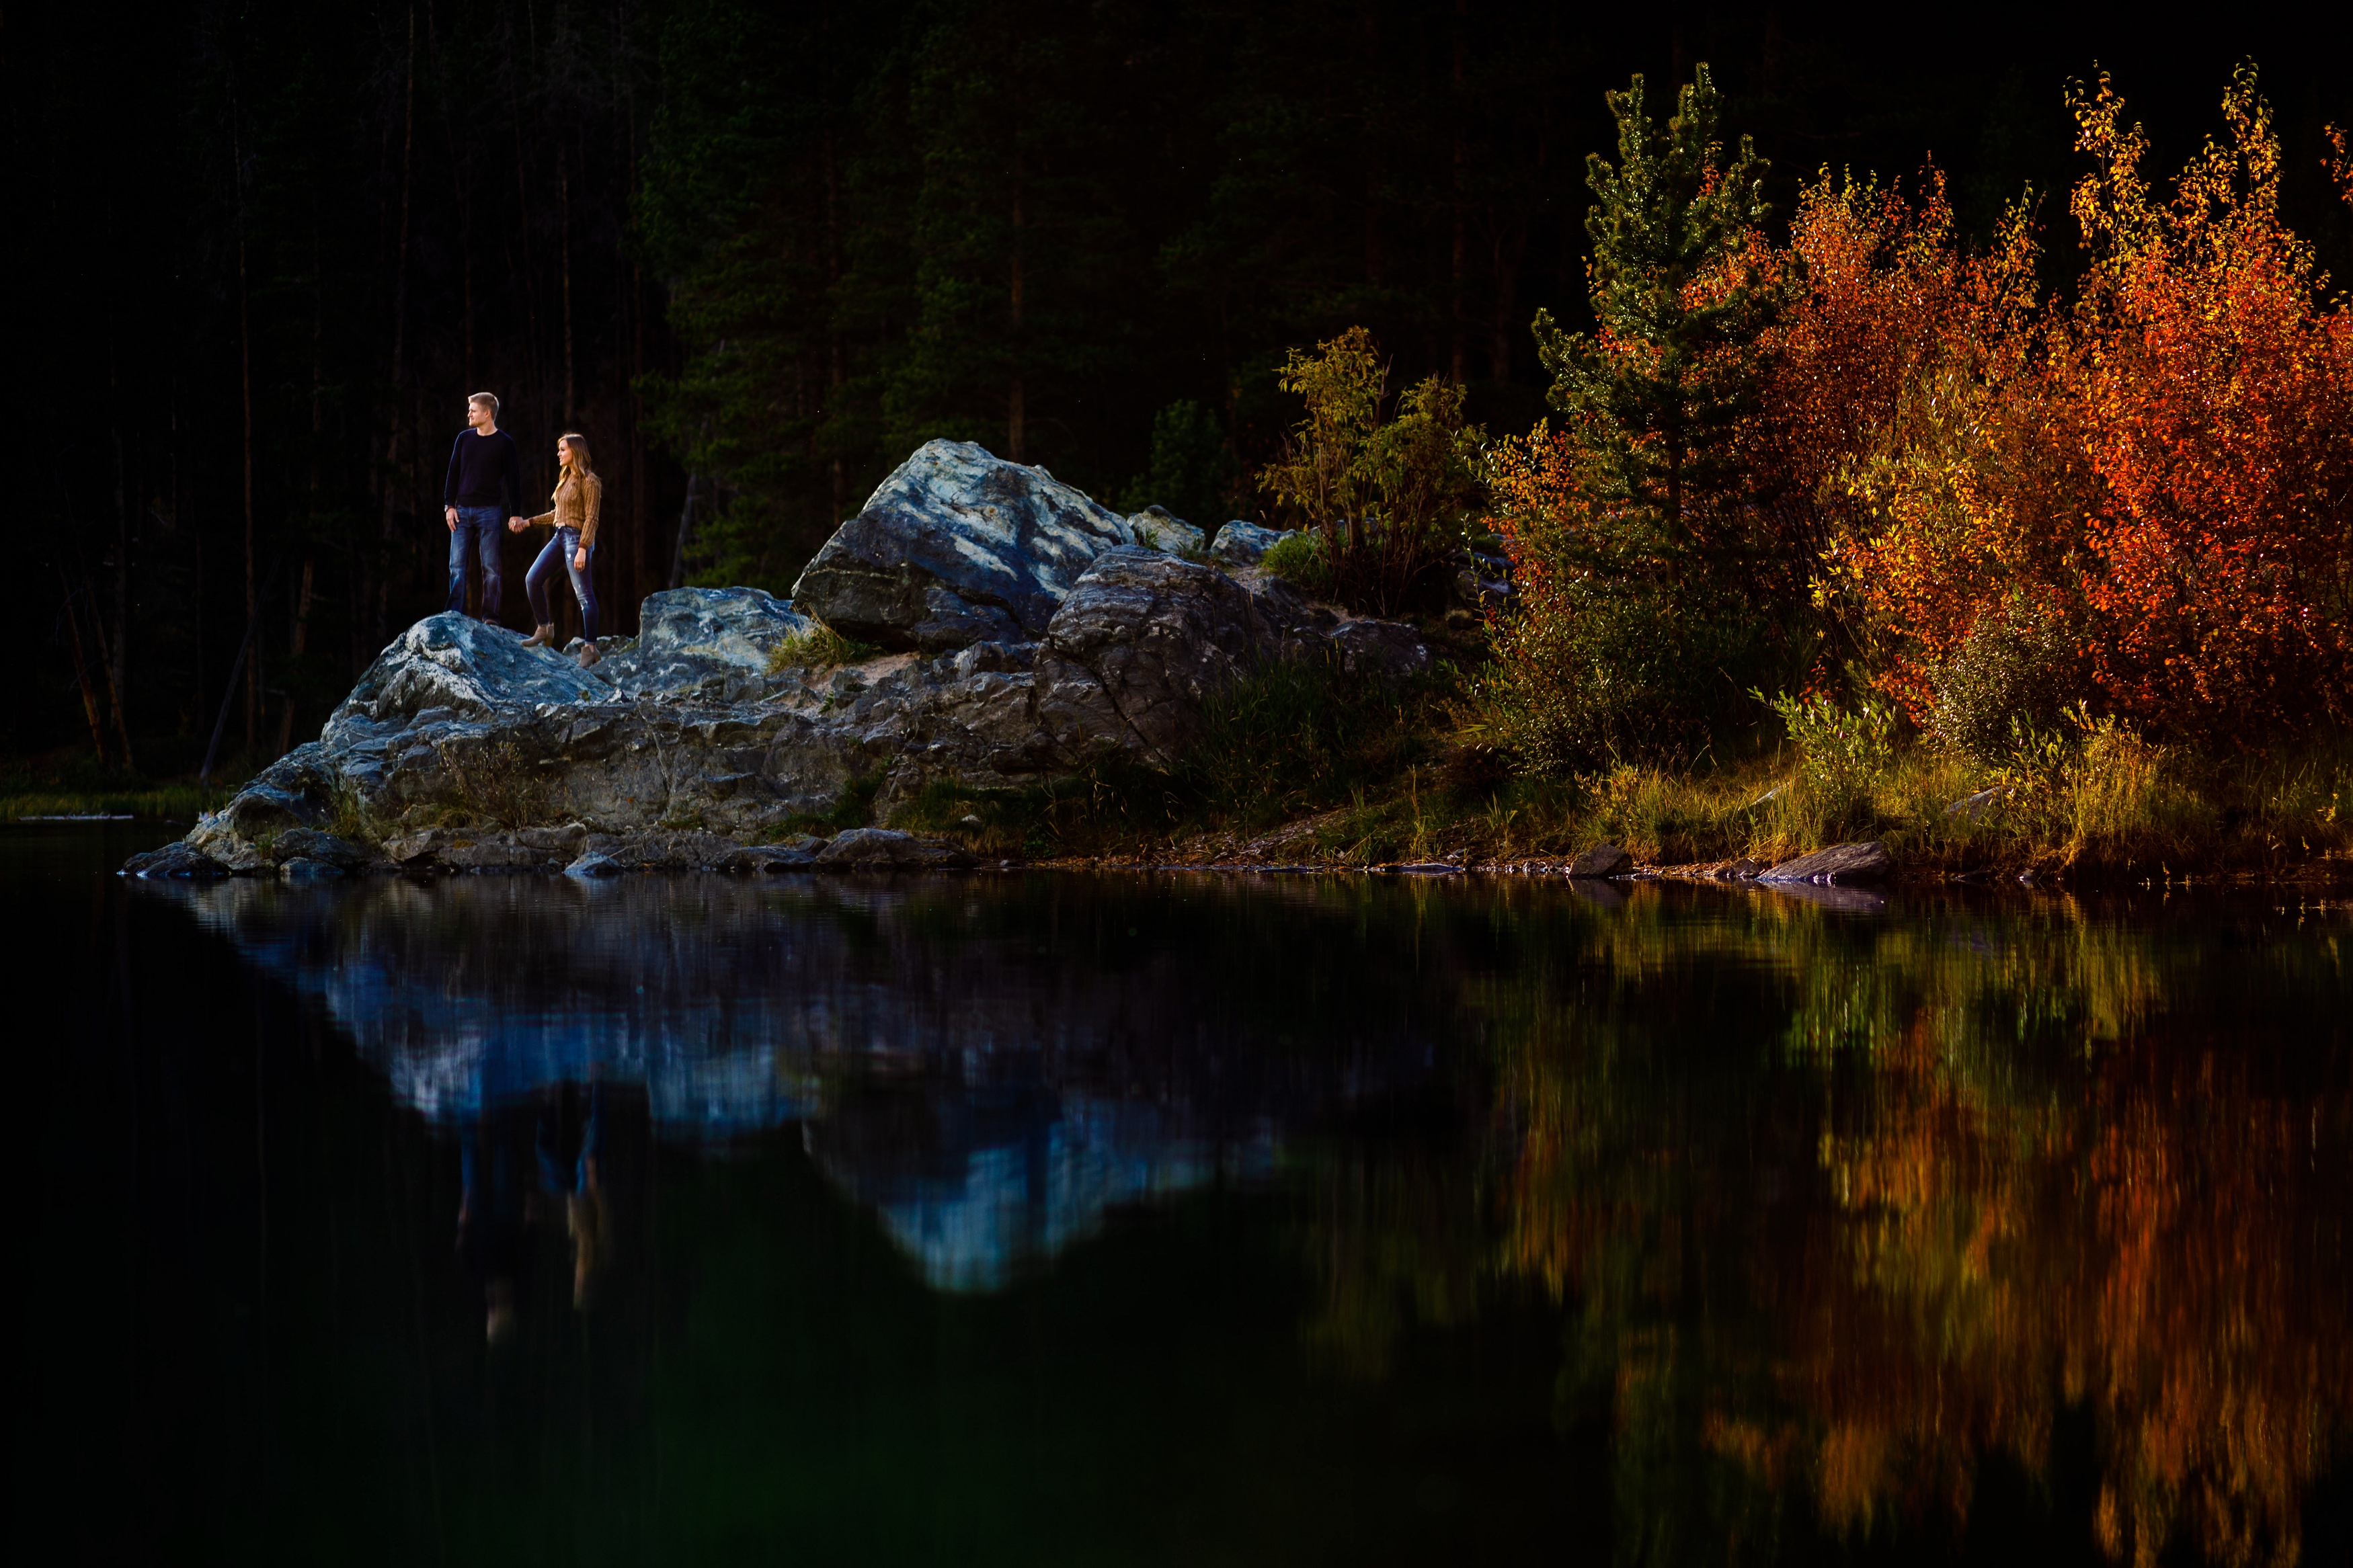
(685, 527)
(1510, 247)
(117, 666)
(81, 671)
(387, 527)
(245, 397)
(1373, 259)
(837, 360)
(522, 228)
(466, 263)
(301, 636)
(639, 541)
(1016, 411)
(640, 535)
(1459, 311)
(564, 239)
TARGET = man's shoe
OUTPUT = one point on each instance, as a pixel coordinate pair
(588, 654)
(541, 637)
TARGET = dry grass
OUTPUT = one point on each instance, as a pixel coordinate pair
(2111, 804)
(818, 649)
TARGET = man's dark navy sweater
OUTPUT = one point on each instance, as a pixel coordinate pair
(484, 470)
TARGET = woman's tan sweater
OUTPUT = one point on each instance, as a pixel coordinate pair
(579, 497)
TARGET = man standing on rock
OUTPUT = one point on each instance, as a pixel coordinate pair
(484, 489)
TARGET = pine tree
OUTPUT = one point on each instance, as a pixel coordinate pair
(1682, 297)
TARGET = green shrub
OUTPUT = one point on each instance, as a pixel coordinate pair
(1387, 497)
(1300, 559)
(2007, 682)
(1300, 735)
(854, 809)
(1599, 671)
(1841, 754)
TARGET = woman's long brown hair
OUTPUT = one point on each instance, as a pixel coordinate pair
(579, 446)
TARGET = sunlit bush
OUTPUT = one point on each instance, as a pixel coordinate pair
(1385, 493)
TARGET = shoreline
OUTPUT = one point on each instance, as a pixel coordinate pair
(561, 852)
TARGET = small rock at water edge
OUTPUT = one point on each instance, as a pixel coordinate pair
(1601, 860)
(174, 861)
(884, 848)
(1865, 862)
(310, 844)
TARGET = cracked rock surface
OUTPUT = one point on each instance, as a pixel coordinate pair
(959, 546)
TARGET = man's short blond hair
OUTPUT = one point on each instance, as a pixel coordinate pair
(487, 399)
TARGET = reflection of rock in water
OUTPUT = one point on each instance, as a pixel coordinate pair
(991, 1068)
(968, 1182)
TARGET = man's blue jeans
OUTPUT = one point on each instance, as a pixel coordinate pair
(477, 534)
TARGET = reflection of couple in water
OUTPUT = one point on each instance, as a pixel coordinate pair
(506, 1190)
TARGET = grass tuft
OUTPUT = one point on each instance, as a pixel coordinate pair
(818, 649)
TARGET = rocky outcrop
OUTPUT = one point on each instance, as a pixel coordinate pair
(1039, 637)
(881, 849)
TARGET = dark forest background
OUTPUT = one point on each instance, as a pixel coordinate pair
(262, 252)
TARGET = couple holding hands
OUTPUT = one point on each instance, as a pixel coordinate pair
(485, 483)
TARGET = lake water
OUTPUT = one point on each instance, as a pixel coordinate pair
(1172, 1219)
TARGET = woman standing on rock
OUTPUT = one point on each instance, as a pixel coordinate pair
(579, 497)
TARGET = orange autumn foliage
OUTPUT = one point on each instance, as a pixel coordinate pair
(2214, 394)
(2165, 468)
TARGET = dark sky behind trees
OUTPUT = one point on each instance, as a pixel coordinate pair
(261, 253)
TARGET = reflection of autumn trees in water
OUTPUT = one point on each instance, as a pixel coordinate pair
(1842, 1210)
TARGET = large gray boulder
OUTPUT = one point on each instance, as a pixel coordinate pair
(1240, 544)
(173, 860)
(1140, 643)
(959, 546)
(692, 638)
(1157, 528)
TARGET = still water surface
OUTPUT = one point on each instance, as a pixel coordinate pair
(1182, 1219)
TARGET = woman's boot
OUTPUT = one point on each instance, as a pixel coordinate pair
(544, 636)
(588, 654)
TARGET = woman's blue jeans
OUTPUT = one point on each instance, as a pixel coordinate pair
(583, 581)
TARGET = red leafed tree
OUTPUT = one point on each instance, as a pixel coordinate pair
(2159, 479)
(2211, 388)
